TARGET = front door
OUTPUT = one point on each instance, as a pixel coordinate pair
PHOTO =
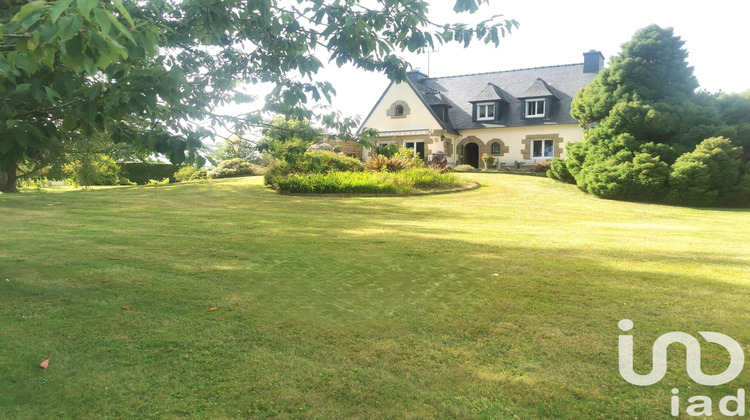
(471, 154)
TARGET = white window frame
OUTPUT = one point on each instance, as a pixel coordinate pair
(542, 156)
(485, 106)
(414, 148)
(536, 103)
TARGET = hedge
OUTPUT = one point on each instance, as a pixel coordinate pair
(140, 173)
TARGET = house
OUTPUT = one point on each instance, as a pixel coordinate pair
(520, 117)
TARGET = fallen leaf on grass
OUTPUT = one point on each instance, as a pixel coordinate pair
(44, 364)
(213, 308)
(114, 258)
(126, 307)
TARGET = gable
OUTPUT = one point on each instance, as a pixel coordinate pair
(414, 114)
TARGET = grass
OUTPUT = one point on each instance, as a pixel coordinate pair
(357, 307)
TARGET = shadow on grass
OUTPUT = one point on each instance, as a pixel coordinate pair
(346, 307)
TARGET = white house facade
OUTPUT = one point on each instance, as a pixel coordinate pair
(520, 117)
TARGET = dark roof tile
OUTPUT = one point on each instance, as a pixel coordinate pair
(561, 82)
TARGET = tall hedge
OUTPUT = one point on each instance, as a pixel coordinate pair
(140, 173)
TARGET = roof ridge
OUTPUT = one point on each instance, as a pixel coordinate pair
(502, 71)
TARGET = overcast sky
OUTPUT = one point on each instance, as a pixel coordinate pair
(554, 32)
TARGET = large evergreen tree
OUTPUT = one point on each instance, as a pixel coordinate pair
(80, 66)
(640, 114)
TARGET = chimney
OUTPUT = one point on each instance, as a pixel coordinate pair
(593, 61)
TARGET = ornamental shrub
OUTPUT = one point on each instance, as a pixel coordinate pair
(558, 170)
(407, 181)
(323, 162)
(381, 163)
(93, 170)
(541, 166)
(231, 168)
(710, 175)
(625, 176)
(185, 173)
(312, 163)
(465, 168)
(199, 174)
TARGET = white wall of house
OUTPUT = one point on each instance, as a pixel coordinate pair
(514, 138)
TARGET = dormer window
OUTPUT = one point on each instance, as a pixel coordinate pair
(535, 108)
(485, 111)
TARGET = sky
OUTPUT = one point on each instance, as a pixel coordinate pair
(559, 32)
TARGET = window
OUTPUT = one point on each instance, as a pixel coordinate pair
(535, 108)
(418, 148)
(543, 148)
(400, 111)
(486, 111)
(495, 148)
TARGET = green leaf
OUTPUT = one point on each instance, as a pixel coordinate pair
(11, 124)
(102, 18)
(120, 27)
(58, 8)
(124, 12)
(68, 27)
(70, 122)
(5, 146)
(85, 6)
(27, 10)
(23, 87)
(47, 32)
(51, 94)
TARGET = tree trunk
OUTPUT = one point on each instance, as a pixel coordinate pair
(9, 178)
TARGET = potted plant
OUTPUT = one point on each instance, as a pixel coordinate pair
(489, 160)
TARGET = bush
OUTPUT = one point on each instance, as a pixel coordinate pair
(558, 170)
(411, 180)
(335, 182)
(93, 170)
(164, 181)
(710, 175)
(185, 173)
(387, 150)
(125, 181)
(141, 173)
(312, 163)
(323, 162)
(190, 173)
(465, 168)
(626, 176)
(380, 163)
(199, 174)
(541, 166)
(231, 168)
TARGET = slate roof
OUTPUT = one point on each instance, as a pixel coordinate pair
(458, 92)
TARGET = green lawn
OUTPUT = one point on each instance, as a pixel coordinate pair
(358, 307)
